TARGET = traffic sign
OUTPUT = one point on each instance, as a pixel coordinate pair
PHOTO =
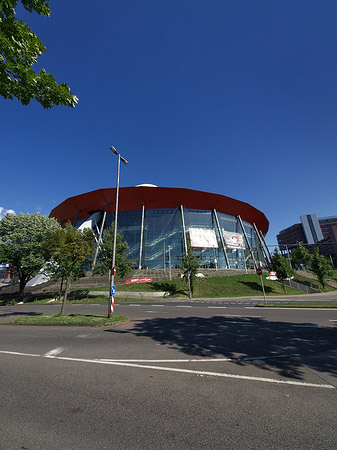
(259, 271)
(113, 290)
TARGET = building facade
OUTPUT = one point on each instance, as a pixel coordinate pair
(311, 232)
(158, 223)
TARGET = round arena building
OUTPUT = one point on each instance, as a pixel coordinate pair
(159, 222)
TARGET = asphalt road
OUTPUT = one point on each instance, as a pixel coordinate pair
(179, 375)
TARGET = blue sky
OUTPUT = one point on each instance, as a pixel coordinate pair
(233, 97)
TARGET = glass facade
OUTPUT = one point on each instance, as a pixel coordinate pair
(156, 239)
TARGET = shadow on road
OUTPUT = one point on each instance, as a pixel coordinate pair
(18, 314)
(247, 338)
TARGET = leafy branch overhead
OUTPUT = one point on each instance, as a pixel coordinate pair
(19, 50)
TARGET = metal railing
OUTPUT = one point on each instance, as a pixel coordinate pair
(301, 287)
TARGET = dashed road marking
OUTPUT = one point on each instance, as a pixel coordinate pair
(240, 315)
(289, 308)
(217, 307)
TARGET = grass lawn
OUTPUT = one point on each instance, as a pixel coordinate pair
(243, 285)
(239, 286)
(71, 319)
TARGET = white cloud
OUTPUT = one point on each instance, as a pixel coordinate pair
(4, 211)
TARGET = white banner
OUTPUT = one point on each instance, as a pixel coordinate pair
(203, 238)
(233, 240)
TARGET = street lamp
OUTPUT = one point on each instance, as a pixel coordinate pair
(112, 278)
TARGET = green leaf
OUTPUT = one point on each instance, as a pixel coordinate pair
(19, 50)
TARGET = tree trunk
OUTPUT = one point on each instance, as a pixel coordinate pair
(22, 288)
(65, 297)
(190, 287)
(61, 287)
(284, 287)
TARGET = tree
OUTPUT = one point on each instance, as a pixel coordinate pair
(104, 259)
(21, 244)
(300, 255)
(19, 50)
(191, 266)
(282, 267)
(69, 252)
(321, 267)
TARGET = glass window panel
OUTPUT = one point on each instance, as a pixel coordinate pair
(162, 229)
(129, 226)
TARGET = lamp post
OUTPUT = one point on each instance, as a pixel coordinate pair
(112, 278)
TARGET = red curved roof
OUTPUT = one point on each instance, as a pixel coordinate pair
(132, 198)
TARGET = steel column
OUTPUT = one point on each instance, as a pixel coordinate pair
(100, 234)
(141, 238)
(221, 238)
(183, 224)
(266, 246)
(247, 240)
(261, 243)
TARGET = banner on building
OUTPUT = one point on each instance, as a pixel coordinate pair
(233, 240)
(203, 238)
(138, 280)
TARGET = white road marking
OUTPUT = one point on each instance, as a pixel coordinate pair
(242, 315)
(332, 320)
(54, 352)
(5, 352)
(297, 309)
(201, 372)
(254, 358)
(184, 306)
(168, 360)
(171, 369)
(217, 307)
(158, 305)
(245, 358)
